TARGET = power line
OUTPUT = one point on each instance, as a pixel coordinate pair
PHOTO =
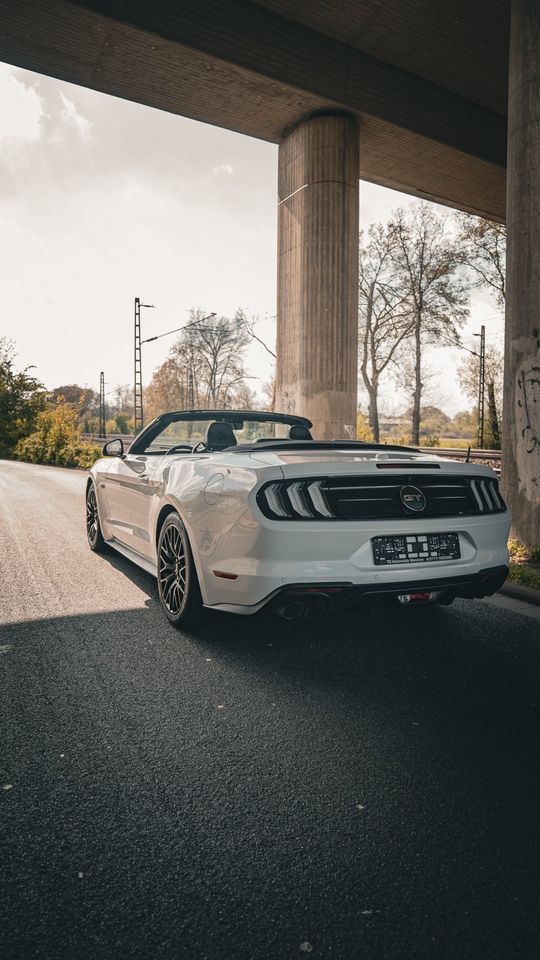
(185, 326)
(456, 343)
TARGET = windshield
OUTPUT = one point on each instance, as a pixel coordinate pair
(192, 432)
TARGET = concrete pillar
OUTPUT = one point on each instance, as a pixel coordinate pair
(317, 322)
(521, 440)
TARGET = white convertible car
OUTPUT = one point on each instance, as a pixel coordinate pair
(240, 510)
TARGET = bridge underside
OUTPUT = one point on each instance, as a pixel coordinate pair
(427, 81)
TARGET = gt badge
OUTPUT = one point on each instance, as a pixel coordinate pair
(412, 499)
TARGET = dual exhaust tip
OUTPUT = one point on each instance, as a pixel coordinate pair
(315, 604)
(311, 607)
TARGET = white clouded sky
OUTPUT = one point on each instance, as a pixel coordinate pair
(104, 200)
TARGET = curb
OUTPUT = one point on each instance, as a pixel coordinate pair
(520, 592)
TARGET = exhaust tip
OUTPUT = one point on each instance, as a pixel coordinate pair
(291, 609)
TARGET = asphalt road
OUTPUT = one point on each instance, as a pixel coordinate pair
(368, 790)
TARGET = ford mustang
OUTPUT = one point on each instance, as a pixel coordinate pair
(240, 510)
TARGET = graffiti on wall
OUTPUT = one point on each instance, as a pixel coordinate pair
(529, 404)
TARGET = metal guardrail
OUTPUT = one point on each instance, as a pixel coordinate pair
(93, 438)
(458, 452)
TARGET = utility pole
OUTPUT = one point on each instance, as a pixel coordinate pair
(102, 405)
(138, 395)
(481, 386)
(138, 384)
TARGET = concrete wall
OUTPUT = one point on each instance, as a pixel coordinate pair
(521, 438)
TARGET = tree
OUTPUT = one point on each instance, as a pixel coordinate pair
(205, 367)
(245, 397)
(463, 424)
(249, 326)
(217, 349)
(22, 397)
(269, 387)
(269, 392)
(483, 250)
(385, 319)
(122, 397)
(468, 381)
(121, 423)
(85, 399)
(169, 388)
(428, 262)
(434, 422)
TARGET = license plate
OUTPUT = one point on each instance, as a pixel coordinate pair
(423, 548)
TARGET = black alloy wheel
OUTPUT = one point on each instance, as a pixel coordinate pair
(178, 585)
(93, 528)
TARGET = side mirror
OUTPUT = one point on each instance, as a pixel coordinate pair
(113, 448)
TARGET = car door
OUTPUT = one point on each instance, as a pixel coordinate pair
(131, 483)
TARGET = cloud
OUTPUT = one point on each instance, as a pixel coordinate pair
(224, 168)
(71, 116)
(21, 108)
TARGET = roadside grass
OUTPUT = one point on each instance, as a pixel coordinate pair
(524, 565)
(456, 443)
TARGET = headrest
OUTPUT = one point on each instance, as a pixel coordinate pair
(219, 435)
(298, 432)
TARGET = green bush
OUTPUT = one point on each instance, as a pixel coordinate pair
(57, 440)
(86, 454)
(122, 425)
(56, 429)
(30, 448)
(363, 429)
(524, 564)
(21, 399)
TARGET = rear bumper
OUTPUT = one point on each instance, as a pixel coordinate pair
(268, 559)
(320, 598)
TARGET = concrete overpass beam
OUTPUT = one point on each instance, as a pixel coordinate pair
(521, 442)
(317, 323)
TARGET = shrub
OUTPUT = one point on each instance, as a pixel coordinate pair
(122, 425)
(21, 399)
(57, 440)
(363, 429)
(519, 554)
(86, 454)
(57, 428)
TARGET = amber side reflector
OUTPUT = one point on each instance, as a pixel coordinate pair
(225, 576)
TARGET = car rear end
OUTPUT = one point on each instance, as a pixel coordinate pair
(335, 530)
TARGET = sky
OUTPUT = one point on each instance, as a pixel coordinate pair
(104, 200)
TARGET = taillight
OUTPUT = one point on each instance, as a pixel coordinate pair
(291, 500)
(487, 495)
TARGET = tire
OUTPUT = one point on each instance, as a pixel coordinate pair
(93, 526)
(178, 585)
